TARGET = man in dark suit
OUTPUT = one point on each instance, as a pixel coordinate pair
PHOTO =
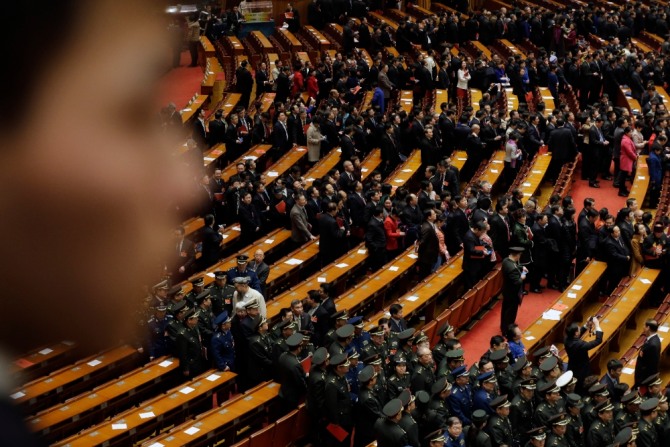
(185, 258)
(332, 236)
(291, 374)
(280, 137)
(611, 378)
(217, 129)
(597, 150)
(389, 150)
(245, 83)
(617, 256)
(532, 138)
(397, 323)
(447, 127)
(428, 244)
(211, 243)
(301, 318)
(513, 277)
(475, 149)
(263, 83)
(578, 349)
(375, 240)
(476, 254)
(650, 353)
(499, 231)
(563, 148)
(200, 131)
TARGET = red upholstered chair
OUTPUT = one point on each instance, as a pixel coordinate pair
(263, 437)
(439, 321)
(285, 428)
(456, 319)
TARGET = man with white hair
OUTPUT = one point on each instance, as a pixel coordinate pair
(244, 293)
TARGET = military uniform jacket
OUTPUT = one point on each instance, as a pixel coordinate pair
(159, 341)
(600, 434)
(316, 383)
(554, 440)
(505, 380)
(460, 403)
(395, 385)
(190, 351)
(411, 428)
(481, 440)
(292, 379)
(622, 418)
(500, 430)
(575, 432)
(223, 350)
(648, 436)
(174, 327)
(481, 400)
(439, 352)
(440, 408)
(521, 416)
(545, 411)
(390, 434)
(222, 299)
(423, 378)
(368, 410)
(338, 406)
(206, 325)
(336, 348)
(259, 359)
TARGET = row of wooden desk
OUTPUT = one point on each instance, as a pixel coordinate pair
(38, 362)
(533, 179)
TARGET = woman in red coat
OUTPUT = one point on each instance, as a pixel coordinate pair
(312, 85)
(392, 233)
(626, 160)
(298, 81)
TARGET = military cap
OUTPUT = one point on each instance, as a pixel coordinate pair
(663, 398)
(633, 426)
(295, 340)
(599, 389)
(631, 399)
(406, 397)
(222, 318)
(440, 385)
(549, 364)
(242, 259)
(161, 307)
(461, 371)
(649, 405)
(422, 397)
(345, 331)
(283, 324)
(339, 359)
(549, 387)
(373, 359)
(176, 290)
(252, 304)
(537, 433)
(340, 315)
(353, 354)
(220, 275)
(377, 331)
(242, 280)
(500, 401)
(516, 249)
(356, 321)
(406, 334)
(624, 436)
(542, 353)
(180, 306)
(192, 313)
(198, 282)
(446, 327)
(241, 305)
(455, 354)
(565, 379)
(654, 379)
(202, 296)
(163, 285)
(399, 358)
(260, 321)
(420, 338)
(605, 405)
(559, 419)
(529, 384)
(479, 416)
(521, 363)
(486, 377)
(392, 408)
(499, 355)
(366, 374)
(320, 356)
(574, 400)
(436, 436)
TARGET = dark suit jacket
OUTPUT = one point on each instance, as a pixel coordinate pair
(211, 246)
(499, 234)
(331, 240)
(512, 281)
(428, 245)
(562, 144)
(280, 137)
(648, 359)
(375, 235)
(200, 134)
(356, 209)
(578, 353)
(217, 132)
(473, 258)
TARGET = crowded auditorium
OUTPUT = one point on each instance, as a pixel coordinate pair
(336, 223)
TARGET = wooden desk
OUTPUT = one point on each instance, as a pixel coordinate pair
(207, 48)
(291, 264)
(292, 157)
(317, 37)
(640, 185)
(426, 292)
(366, 103)
(192, 109)
(419, 12)
(254, 153)
(71, 380)
(478, 45)
(404, 173)
(322, 167)
(406, 100)
(652, 39)
(294, 44)
(42, 360)
(512, 99)
(494, 168)
(381, 20)
(226, 105)
(569, 302)
(440, 97)
(628, 101)
(666, 99)
(366, 57)
(512, 48)
(302, 57)
(263, 41)
(399, 15)
(535, 175)
(370, 163)
(234, 44)
(458, 159)
(330, 274)
(212, 425)
(641, 46)
(266, 100)
(441, 8)
(213, 154)
(161, 411)
(548, 101)
(475, 97)
(82, 411)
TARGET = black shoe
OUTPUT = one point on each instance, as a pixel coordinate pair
(623, 193)
(525, 292)
(553, 286)
(594, 185)
(607, 177)
(536, 290)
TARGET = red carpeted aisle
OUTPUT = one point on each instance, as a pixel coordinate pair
(180, 84)
(476, 341)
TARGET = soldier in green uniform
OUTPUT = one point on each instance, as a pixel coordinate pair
(439, 392)
(337, 402)
(662, 421)
(176, 323)
(259, 359)
(399, 380)
(339, 319)
(549, 406)
(198, 287)
(500, 427)
(630, 411)
(376, 345)
(452, 360)
(648, 436)
(446, 332)
(221, 293)
(559, 426)
(522, 369)
(575, 431)
(626, 438)
(316, 383)
(344, 336)
(205, 317)
(540, 356)
(503, 371)
(653, 384)
(522, 410)
(407, 421)
(475, 434)
(404, 347)
(190, 350)
(549, 370)
(601, 431)
(536, 437)
(279, 346)
(423, 376)
(435, 439)
(291, 375)
(368, 407)
(176, 295)
(598, 393)
(389, 433)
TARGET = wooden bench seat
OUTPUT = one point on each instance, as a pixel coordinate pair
(533, 179)
(370, 163)
(316, 39)
(193, 108)
(256, 153)
(628, 101)
(290, 42)
(640, 185)
(43, 360)
(406, 100)
(494, 169)
(406, 171)
(322, 167)
(286, 162)
(291, 264)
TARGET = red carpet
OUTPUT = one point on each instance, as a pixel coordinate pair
(476, 341)
(180, 84)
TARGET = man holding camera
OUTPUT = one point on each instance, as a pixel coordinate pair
(578, 349)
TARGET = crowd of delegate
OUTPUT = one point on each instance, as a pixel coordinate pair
(386, 383)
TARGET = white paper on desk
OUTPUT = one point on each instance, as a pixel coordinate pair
(394, 268)
(663, 328)
(412, 298)
(321, 279)
(269, 241)
(576, 287)
(186, 390)
(95, 362)
(119, 427)
(537, 172)
(364, 169)
(224, 236)
(641, 177)
(572, 295)
(18, 395)
(552, 314)
(341, 265)
(147, 415)
(293, 261)
(251, 157)
(187, 109)
(165, 363)
(406, 170)
(209, 159)
(210, 274)
(156, 444)
(645, 281)
(236, 228)
(494, 171)
(362, 251)
(497, 161)
(530, 338)
(191, 431)
(213, 377)
(413, 256)
(527, 184)
(46, 351)
(628, 371)
(399, 180)
(272, 174)
(461, 158)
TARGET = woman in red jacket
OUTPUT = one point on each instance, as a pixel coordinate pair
(298, 81)
(312, 85)
(393, 234)
(626, 160)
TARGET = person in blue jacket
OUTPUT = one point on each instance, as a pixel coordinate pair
(223, 345)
